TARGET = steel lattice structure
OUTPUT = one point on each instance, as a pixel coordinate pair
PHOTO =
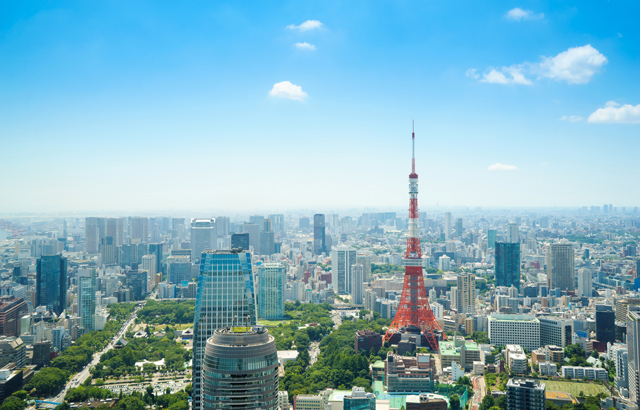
(414, 306)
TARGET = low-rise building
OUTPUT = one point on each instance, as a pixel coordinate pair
(426, 402)
(410, 375)
(548, 369)
(308, 402)
(367, 340)
(590, 373)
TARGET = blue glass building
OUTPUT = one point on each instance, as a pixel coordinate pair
(51, 283)
(225, 297)
(508, 264)
(271, 283)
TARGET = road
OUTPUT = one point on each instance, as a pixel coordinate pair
(80, 377)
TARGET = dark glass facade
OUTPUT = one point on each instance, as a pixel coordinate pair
(319, 232)
(51, 283)
(508, 264)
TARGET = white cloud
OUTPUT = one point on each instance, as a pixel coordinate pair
(305, 46)
(285, 89)
(506, 75)
(519, 14)
(502, 167)
(544, 163)
(571, 118)
(611, 104)
(306, 26)
(473, 73)
(626, 114)
(576, 65)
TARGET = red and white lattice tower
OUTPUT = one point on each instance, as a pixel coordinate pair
(414, 306)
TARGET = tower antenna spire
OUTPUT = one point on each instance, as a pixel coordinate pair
(413, 147)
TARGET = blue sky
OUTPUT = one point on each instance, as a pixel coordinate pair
(211, 106)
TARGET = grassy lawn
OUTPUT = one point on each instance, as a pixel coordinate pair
(589, 389)
(271, 323)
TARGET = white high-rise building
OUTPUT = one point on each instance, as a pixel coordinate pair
(272, 280)
(444, 263)
(203, 237)
(560, 266)
(357, 284)
(585, 282)
(513, 233)
(365, 261)
(447, 225)
(342, 258)
(466, 293)
(149, 264)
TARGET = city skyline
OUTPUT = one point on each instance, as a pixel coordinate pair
(223, 106)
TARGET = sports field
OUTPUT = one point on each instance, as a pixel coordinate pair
(574, 389)
(271, 323)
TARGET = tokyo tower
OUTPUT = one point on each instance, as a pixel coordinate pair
(414, 307)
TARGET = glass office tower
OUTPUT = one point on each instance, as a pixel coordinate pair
(271, 283)
(225, 297)
(508, 264)
(87, 298)
(51, 283)
(240, 370)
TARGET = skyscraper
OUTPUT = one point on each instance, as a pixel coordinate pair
(560, 266)
(240, 240)
(149, 265)
(466, 293)
(459, 227)
(341, 260)
(157, 249)
(492, 236)
(51, 283)
(513, 233)
(91, 234)
(447, 225)
(267, 242)
(139, 229)
(585, 282)
(203, 236)
(108, 251)
(225, 297)
(254, 236)
(271, 283)
(633, 352)
(319, 245)
(605, 324)
(239, 371)
(178, 269)
(357, 284)
(508, 264)
(87, 298)
(365, 261)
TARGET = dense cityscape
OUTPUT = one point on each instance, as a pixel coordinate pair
(333, 205)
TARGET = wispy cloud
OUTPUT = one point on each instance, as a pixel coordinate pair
(506, 75)
(614, 113)
(575, 66)
(287, 90)
(544, 163)
(472, 73)
(305, 46)
(306, 26)
(519, 14)
(571, 118)
(502, 167)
